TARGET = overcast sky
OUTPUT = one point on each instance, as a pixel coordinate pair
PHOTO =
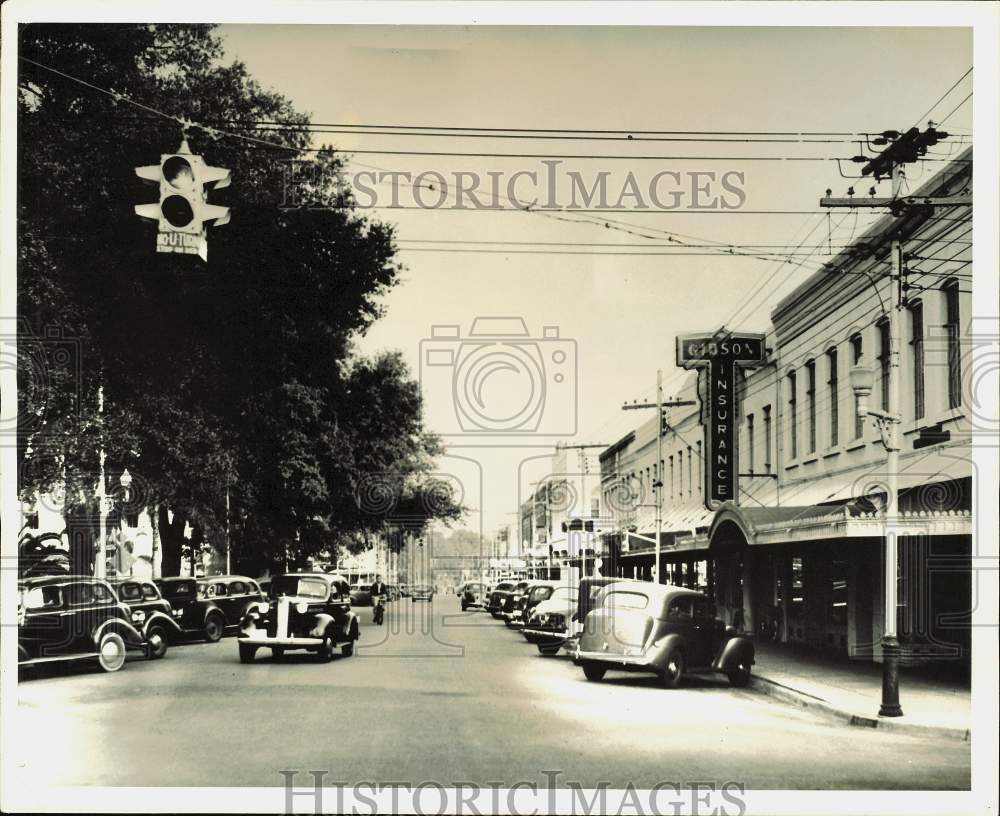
(621, 313)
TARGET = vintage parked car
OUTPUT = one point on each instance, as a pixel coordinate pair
(73, 617)
(524, 605)
(361, 595)
(667, 630)
(305, 610)
(501, 594)
(564, 617)
(547, 624)
(421, 592)
(472, 595)
(209, 606)
(513, 604)
(149, 612)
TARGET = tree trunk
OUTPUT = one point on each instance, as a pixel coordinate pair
(197, 540)
(171, 540)
(81, 529)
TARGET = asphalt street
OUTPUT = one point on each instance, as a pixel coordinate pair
(445, 696)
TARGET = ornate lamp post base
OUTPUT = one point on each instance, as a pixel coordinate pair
(890, 678)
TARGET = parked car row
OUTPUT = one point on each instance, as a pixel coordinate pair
(64, 618)
(610, 624)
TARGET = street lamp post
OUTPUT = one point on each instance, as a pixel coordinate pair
(125, 480)
(862, 380)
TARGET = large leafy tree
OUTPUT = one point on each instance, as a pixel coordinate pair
(233, 379)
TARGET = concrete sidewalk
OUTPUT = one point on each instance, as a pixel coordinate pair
(852, 691)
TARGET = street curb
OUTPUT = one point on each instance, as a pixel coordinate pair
(787, 694)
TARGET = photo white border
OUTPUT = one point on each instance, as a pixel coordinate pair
(982, 17)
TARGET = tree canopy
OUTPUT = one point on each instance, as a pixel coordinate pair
(237, 376)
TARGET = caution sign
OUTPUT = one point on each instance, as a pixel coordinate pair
(182, 242)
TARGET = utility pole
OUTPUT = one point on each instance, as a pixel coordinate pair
(660, 405)
(901, 148)
(582, 449)
(228, 565)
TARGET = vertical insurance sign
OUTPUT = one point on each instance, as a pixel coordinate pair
(717, 356)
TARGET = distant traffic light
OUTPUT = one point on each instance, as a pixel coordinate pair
(183, 213)
(664, 425)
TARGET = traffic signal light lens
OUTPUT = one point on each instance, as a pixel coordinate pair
(178, 173)
(177, 210)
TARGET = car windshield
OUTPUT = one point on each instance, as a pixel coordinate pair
(538, 594)
(299, 587)
(627, 600)
(504, 587)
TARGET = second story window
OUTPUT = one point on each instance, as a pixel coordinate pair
(951, 325)
(690, 478)
(859, 421)
(767, 438)
(750, 443)
(811, 402)
(884, 351)
(701, 465)
(680, 474)
(671, 477)
(831, 360)
(793, 420)
(917, 342)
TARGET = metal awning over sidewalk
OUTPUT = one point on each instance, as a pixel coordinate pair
(734, 527)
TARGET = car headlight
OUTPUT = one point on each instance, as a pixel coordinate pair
(263, 607)
(138, 616)
(177, 612)
(302, 607)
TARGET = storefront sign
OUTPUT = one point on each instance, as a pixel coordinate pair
(717, 356)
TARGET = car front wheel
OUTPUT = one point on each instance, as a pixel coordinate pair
(214, 627)
(156, 642)
(740, 676)
(347, 649)
(673, 670)
(247, 653)
(325, 650)
(278, 653)
(548, 651)
(111, 652)
(594, 671)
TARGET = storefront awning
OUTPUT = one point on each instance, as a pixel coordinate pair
(735, 527)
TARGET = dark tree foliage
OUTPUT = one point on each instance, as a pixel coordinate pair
(236, 376)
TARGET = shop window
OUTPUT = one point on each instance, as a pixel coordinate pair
(837, 611)
(797, 594)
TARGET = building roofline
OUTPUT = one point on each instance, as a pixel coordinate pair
(881, 229)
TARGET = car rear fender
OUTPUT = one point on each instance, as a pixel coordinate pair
(128, 632)
(734, 652)
(662, 647)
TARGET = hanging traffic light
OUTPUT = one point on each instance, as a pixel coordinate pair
(183, 213)
(664, 425)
